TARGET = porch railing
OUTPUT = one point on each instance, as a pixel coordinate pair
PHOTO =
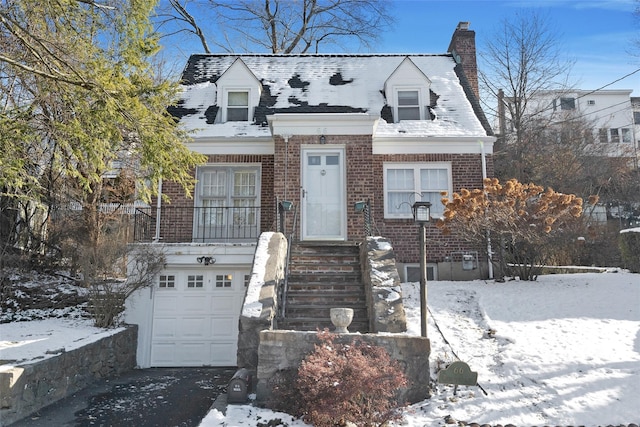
(179, 224)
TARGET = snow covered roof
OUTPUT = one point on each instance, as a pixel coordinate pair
(330, 84)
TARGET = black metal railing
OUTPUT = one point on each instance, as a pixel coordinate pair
(179, 224)
(143, 225)
(284, 286)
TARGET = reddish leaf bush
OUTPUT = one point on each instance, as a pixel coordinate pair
(340, 383)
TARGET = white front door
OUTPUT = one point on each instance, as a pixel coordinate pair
(323, 194)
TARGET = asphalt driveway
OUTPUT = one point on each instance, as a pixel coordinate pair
(162, 397)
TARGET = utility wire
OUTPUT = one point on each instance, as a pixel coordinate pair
(572, 118)
(592, 91)
(494, 110)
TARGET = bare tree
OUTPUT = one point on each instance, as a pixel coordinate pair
(521, 60)
(276, 26)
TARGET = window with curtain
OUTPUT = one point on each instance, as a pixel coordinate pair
(237, 106)
(408, 105)
(235, 187)
(405, 184)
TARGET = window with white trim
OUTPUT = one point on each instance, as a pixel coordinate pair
(228, 196)
(603, 135)
(615, 135)
(626, 135)
(237, 107)
(406, 183)
(408, 105)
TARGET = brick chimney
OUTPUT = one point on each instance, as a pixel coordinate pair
(463, 48)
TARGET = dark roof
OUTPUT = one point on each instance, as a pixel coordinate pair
(342, 83)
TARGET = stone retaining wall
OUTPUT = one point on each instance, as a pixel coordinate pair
(260, 306)
(24, 389)
(282, 351)
(382, 286)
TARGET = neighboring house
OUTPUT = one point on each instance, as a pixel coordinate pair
(635, 106)
(608, 115)
(603, 123)
(321, 133)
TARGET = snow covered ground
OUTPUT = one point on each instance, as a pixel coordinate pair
(564, 350)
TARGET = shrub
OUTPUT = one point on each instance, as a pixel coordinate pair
(107, 296)
(630, 250)
(341, 383)
(524, 221)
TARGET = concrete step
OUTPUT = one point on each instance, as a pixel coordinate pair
(313, 324)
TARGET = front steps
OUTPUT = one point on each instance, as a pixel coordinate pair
(324, 275)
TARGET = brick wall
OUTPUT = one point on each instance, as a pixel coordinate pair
(181, 222)
(364, 176)
(359, 173)
(467, 173)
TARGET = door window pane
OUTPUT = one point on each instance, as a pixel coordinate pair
(213, 184)
(314, 160)
(333, 160)
(244, 184)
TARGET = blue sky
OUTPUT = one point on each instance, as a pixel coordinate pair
(596, 34)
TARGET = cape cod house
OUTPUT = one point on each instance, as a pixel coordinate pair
(325, 148)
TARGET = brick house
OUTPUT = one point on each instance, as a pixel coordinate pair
(324, 134)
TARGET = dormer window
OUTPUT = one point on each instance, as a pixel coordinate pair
(408, 105)
(238, 94)
(407, 92)
(237, 106)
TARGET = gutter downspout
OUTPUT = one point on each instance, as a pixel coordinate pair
(484, 176)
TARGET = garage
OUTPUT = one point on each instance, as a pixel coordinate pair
(195, 316)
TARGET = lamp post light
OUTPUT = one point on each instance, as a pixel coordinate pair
(364, 206)
(283, 207)
(422, 215)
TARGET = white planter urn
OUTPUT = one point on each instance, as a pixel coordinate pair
(341, 319)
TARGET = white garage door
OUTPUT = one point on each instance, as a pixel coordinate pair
(195, 317)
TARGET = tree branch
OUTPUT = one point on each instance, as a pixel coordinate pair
(189, 19)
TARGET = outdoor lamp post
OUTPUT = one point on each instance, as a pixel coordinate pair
(422, 215)
(283, 206)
